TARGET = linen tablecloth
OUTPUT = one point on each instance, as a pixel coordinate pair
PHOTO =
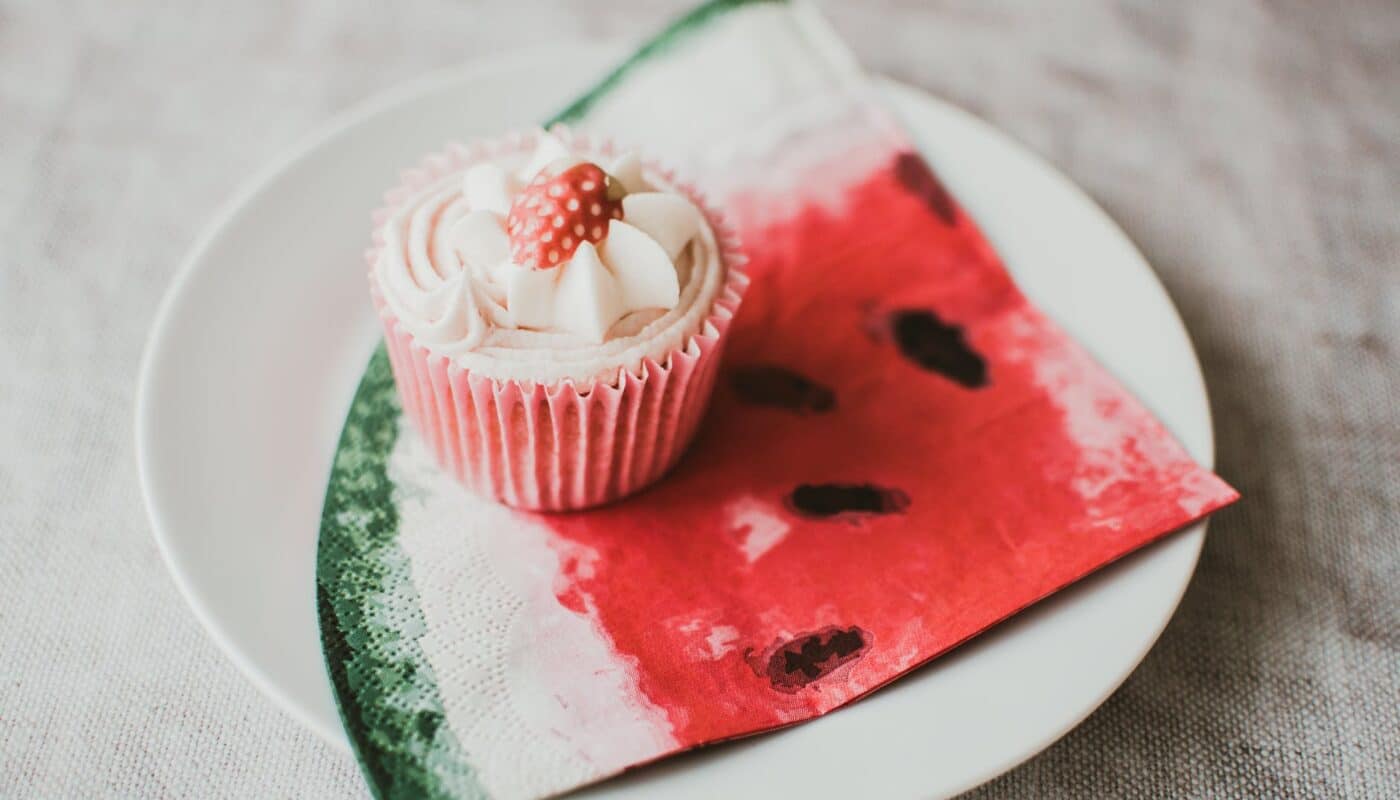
(1252, 150)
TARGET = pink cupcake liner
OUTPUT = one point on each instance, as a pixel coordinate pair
(559, 446)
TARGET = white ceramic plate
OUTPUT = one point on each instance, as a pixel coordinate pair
(259, 344)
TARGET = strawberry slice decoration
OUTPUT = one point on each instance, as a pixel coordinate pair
(557, 212)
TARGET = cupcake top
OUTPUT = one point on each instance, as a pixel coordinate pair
(542, 262)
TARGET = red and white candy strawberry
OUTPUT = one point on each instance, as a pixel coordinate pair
(558, 211)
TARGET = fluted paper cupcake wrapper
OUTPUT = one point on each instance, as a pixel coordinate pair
(565, 445)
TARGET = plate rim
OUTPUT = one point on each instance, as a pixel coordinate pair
(439, 80)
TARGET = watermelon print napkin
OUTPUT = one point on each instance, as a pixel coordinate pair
(902, 452)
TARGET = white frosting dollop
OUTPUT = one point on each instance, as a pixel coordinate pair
(445, 271)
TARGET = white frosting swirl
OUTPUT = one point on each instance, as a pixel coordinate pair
(445, 272)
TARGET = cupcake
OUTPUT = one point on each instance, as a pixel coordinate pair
(554, 311)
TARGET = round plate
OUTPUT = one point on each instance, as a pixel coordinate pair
(259, 344)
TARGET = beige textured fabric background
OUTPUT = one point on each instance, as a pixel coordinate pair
(1252, 149)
